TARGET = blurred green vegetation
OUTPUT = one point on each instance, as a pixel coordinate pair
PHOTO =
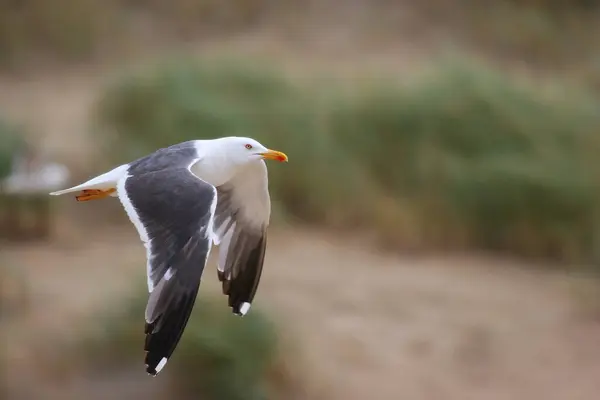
(11, 140)
(220, 356)
(506, 165)
(463, 156)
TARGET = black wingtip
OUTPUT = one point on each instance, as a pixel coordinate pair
(241, 308)
(151, 371)
(242, 288)
(163, 335)
(153, 367)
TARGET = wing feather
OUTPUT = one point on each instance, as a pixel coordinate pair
(241, 221)
(173, 211)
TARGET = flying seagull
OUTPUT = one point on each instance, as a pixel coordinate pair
(182, 199)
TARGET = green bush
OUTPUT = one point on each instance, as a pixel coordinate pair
(220, 356)
(506, 161)
(11, 140)
(463, 156)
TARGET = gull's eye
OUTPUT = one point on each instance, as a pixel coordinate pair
(249, 146)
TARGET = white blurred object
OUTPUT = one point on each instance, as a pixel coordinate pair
(30, 174)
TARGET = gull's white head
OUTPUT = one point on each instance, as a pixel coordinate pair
(242, 150)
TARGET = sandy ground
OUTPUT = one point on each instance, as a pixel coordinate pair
(428, 328)
(370, 325)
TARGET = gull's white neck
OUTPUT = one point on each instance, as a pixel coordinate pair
(249, 179)
(214, 166)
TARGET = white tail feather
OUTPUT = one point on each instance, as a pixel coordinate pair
(105, 181)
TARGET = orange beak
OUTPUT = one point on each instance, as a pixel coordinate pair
(274, 155)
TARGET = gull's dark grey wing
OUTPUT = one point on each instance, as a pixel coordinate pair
(173, 211)
(241, 221)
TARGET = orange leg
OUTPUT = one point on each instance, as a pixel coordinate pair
(93, 194)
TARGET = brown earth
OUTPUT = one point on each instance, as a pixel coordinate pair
(370, 325)
(428, 328)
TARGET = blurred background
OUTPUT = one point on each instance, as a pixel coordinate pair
(435, 235)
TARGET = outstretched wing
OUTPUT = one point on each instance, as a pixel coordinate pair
(241, 220)
(173, 211)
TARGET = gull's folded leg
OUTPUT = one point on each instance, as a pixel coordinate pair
(94, 194)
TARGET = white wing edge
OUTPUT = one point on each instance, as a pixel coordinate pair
(143, 233)
(135, 220)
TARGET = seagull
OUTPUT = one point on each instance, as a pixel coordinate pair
(182, 199)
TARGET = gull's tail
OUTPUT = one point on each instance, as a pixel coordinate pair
(105, 181)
